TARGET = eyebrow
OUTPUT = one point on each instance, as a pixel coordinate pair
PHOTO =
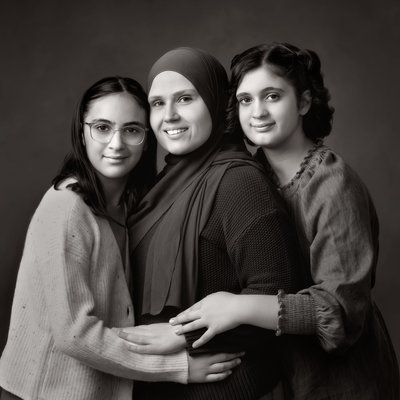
(265, 90)
(137, 123)
(175, 94)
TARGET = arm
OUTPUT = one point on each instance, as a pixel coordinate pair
(222, 311)
(161, 339)
(341, 226)
(66, 238)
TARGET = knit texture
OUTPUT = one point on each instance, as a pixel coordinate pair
(71, 290)
(295, 305)
(245, 247)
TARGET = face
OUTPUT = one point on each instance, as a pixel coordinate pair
(178, 115)
(269, 111)
(114, 160)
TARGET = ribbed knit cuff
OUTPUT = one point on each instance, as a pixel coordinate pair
(179, 367)
(297, 315)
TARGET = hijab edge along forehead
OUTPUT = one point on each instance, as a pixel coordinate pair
(204, 71)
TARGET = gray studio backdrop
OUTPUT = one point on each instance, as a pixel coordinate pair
(51, 51)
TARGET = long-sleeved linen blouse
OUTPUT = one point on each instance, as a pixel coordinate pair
(71, 290)
(346, 352)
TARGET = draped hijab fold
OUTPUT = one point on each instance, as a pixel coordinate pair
(171, 216)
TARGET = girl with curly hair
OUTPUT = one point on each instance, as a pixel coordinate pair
(338, 346)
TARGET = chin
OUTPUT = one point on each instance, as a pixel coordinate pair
(177, 150)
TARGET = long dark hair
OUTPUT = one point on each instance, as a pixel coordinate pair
(77, 165)
(302, 68)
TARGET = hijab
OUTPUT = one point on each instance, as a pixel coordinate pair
(171, 216)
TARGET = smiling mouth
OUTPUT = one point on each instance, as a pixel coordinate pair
(263, 127)
(116, 157)
(173, 132)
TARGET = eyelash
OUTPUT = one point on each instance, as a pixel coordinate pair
(156, 103)
(269, 97)
(184, 99)
(276, 95)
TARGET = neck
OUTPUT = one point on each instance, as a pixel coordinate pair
(113, 190)
(286, 160)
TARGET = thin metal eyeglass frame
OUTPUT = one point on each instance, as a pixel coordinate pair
(90, 124)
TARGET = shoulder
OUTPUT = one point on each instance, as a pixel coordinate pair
(61, 204)
(246, 190)
(327, 175)
(331, 189)
(246, 180)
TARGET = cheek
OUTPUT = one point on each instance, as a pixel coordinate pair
(243, 114)
(204, 123)
(137, 151)
(155, 118)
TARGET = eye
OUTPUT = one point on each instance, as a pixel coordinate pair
(244, 100)
(185, 99)
(102, 128)
(156, 103)
(272, 97)
(132, 129)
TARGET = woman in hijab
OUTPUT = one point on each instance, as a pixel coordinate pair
(211, 222)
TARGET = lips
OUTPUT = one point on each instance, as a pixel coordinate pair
(175, 132)
(115, 157)
(263, 127)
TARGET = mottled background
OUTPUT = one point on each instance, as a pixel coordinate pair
(52, 50)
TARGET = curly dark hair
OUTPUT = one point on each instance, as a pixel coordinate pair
(77, 165)
(302, 68)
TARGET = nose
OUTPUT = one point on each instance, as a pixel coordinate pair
(259, 109)
(116, 141)
(170, 112)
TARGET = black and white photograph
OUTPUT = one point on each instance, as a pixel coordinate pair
(200, 200)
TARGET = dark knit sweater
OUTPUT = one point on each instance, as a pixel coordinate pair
(246, 247)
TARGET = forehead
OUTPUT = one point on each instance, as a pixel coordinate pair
(117, 106)
(169, 82)
(261, 78)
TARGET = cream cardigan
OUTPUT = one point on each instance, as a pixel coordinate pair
(71, 290)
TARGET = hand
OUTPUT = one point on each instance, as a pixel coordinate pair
(152, 339)
(212, 367)
(217, 312)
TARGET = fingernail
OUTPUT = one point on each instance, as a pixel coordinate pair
(122, 335)
(177, 331)
(172, 321)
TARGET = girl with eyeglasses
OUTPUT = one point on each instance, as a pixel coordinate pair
(72, 292)
(338, 346)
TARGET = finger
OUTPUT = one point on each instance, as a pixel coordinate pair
(223, 357)
(224, 366)
(184, 317)
(217, 377)
(191, 326)
(203, 339)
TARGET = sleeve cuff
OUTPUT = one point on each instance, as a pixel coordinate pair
(296, 315)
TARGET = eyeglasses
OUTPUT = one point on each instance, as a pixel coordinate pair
(103, 132)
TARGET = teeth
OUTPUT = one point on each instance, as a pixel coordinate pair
(176, 131)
